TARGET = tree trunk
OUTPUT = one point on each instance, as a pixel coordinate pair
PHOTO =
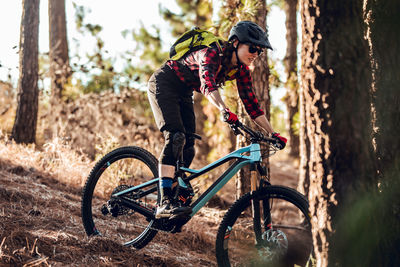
(304, 142)
(243, 176)
(336, 84)
(59, 60)
(24, 129)
(260, 75)
(304, 170)
(382, 18)
(384, 22)
(292, 85)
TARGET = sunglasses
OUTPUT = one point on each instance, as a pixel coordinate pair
(253, 49)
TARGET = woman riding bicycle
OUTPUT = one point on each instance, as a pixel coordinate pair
(170, 94)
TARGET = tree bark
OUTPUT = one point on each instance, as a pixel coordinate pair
(383, 34)
(304, 142)
(292, 85)
(59, 60)
(260, 76)
(383, 21)
(260, 73)
(336, 109)
(24, 129)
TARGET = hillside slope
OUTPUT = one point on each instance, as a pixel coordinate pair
(40, 223)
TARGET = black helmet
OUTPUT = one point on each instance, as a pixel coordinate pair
(250, 32)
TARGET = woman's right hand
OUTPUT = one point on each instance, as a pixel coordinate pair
(281, 141)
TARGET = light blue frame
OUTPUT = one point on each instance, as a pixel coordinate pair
(254, 157)
(242, 160)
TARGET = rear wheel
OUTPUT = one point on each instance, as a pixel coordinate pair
(102, 215)
(279, 235)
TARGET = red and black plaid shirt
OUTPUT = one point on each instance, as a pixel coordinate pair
(201, 70)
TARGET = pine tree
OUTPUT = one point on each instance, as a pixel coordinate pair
(193, 13)
(98, 68)
(151, 56)
(292, 85)
(256, 11)
(59, 59)
(383, 34)
(335, 112)
(24, 129)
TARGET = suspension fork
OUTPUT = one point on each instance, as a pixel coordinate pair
(255, 205)
(258, 211)
(266, 207)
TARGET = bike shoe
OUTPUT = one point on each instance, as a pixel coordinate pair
(168, 209)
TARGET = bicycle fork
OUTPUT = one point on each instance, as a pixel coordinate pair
(257, 210)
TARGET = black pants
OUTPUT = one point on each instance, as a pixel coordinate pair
(172, 105)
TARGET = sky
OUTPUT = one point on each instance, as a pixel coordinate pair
(114, 16)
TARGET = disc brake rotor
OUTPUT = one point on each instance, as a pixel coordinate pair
(275, 245)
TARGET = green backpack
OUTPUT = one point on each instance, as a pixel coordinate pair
(192, 40)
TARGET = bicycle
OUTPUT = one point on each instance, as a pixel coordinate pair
(268, 225)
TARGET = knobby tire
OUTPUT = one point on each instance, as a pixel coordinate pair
(114, 160)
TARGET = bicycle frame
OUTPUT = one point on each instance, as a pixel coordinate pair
(241, 161)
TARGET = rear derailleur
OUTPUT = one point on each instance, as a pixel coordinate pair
(114, 205)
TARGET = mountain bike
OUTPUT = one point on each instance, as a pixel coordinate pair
(268, 226)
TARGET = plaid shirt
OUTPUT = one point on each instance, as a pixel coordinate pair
(200, 70)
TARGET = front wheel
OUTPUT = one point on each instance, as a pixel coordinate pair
(104, 215)
(278, 233)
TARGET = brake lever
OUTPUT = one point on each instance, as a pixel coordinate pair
(276, 144)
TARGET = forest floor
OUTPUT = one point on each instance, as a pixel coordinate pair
(40, 220)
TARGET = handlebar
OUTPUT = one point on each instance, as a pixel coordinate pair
(255, 136)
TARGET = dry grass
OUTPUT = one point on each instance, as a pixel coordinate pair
(55, 158)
